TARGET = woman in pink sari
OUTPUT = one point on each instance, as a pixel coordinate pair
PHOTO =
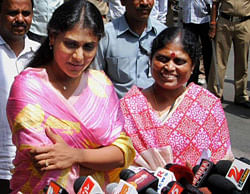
(65, 118)
(169, 122)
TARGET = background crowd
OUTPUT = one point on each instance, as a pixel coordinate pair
(92, 87)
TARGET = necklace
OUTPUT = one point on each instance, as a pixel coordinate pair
(156, 103)
(166, 110)
(58, 82)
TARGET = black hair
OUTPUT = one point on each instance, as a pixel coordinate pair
(64, 19)
(1, 2)
(187, 39)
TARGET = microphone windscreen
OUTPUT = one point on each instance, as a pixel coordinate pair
(181, 172)
(217, 183)
(126, 173)
(222, 167)
(78, 183)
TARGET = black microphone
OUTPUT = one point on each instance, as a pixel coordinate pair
(206, 168)
(143, 180)
(54, 188)
(195, 169)
(218, 184)
(222, 167)
(236, 171)
(126, 174)
(173, 187)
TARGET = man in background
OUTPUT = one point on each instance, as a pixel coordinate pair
(15, 51)
(124, 51)
(196, 18)
(232, 26)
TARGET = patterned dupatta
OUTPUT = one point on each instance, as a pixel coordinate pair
(89, 119)
(197, 125)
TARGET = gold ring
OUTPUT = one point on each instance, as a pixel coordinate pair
(46, 163)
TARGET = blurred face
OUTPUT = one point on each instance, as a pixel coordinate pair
(74, 50)
(171, 67)
(15, 18)
(138, 10)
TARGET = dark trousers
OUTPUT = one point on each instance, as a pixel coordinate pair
(201, 32)
(4, 186)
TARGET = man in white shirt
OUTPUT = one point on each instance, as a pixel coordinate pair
(15, 52)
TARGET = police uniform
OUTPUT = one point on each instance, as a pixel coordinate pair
(233, 26)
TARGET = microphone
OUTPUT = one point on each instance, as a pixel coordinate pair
(125, 188)
(87, 185)
(173, 188)
(205, 169)
(238, 173)
(126, 174)
(141, 180)
(110, 188)
(181, 172)
(184, 177)
(195, 169)
(222, 167)
(54, 188)
(164, 176)
(218, 184)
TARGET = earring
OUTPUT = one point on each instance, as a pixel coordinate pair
(50, 47)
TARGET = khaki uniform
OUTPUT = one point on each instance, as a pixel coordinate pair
(102, 7)
(230, 30)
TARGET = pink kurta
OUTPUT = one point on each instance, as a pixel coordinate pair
(197, 125)
(90, 118)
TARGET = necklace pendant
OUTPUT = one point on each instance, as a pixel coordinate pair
(64, 88)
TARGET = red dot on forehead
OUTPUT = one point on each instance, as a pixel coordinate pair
(172, 55)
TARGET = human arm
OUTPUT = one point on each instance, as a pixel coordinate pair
(61, 156)
(214, 13)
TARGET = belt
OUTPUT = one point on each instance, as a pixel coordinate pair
(234, 18)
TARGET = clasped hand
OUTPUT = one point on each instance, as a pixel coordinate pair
(57, 156)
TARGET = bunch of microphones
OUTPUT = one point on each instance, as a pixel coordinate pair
(224, 177)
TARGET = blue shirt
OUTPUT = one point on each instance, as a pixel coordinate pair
(195, 11)
(124, 55)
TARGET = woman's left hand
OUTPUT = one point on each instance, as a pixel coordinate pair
(57, 156)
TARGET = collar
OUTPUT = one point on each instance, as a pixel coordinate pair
(29, 45)
(123, 26)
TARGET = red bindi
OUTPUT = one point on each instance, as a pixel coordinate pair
(172, 55)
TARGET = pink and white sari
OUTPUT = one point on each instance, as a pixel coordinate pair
(90, 118)
(197, 125)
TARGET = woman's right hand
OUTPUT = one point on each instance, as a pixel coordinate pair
(57, 156)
